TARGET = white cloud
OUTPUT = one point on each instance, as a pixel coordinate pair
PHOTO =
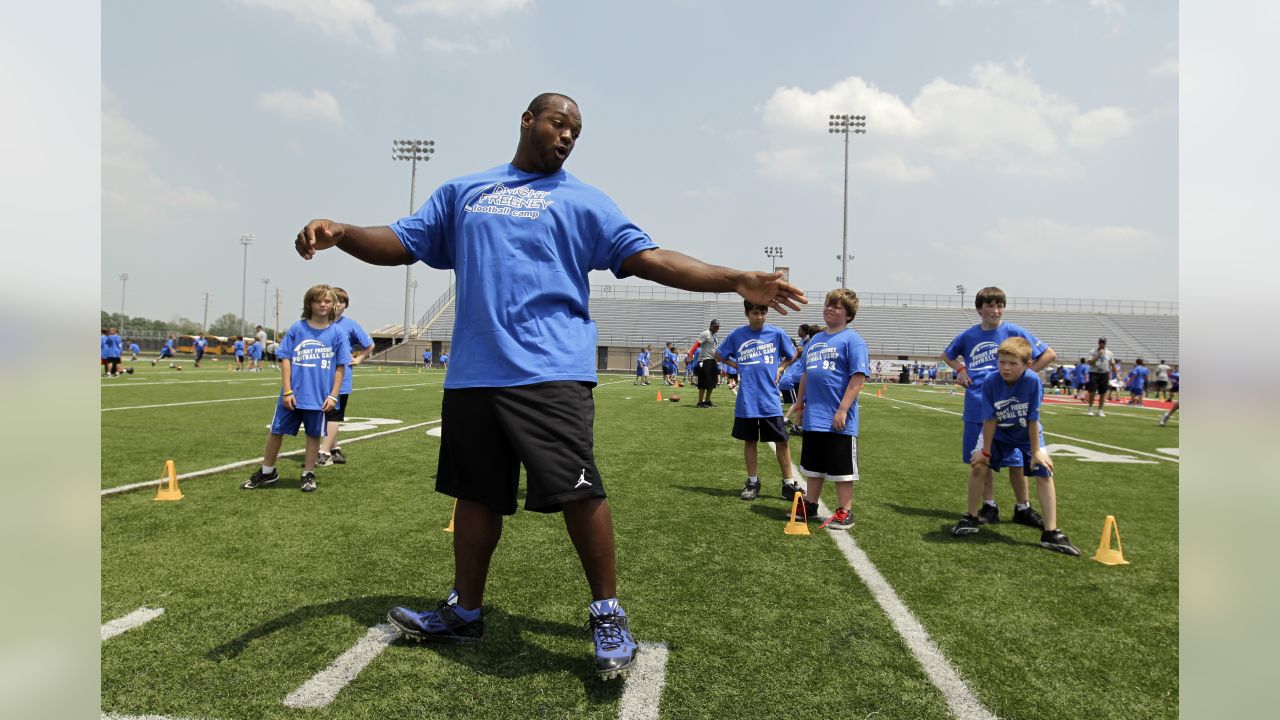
(464, 8)
(467, 47)
(132, 191)
(354, 21)
(294, 105)
(1111, 7)
(1168, 67)
(1041, 237)
(1001, 118)
(1095, 128)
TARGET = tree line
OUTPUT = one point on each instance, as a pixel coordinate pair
(225, 326)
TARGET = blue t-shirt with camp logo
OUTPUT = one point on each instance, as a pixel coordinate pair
(978, 347)
(522, 245)
(1012, 407)
(355, 336)
(758, 354)
(830, 362)
(314, 356)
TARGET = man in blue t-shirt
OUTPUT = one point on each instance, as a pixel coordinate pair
(330, 452)
(759, 354)
(522, 239)
(1137, 382)
(1011, 437)
(836, 364)
(976, 347)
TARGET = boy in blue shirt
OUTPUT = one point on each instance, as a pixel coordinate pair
(1138, 382)
(759, 354)
(314, 355)
(238, 346)
(114, 350)
(835, 367)
(977, 347)
(1012, 437)
(642, 366)
(166, 351)
(255, 354)
(198, 346)
(668, 365)
(330, 452)
(426, 359)
(444, 361)
(133, 350)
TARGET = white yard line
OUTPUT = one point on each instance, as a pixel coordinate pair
(321, 689)
(243, 463)
(128, 622)
(259, 397)
(1049, 434)
(643, 691)
(963, 703)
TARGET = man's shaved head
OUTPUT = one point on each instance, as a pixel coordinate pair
(540, 103)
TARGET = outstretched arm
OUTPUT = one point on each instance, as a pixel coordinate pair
(677, 270)
(374, 245)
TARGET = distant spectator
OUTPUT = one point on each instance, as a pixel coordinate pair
(708, 372)
(1102, 363)
(1162, 381)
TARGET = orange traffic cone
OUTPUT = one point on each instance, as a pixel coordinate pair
(659, 396)
(171, 492)
(880, 391)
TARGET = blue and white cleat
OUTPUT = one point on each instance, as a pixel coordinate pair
(615, 648)
(440, 625)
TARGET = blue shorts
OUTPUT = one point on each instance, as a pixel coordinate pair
(1007, 455)
(166, 352)
(287, 422)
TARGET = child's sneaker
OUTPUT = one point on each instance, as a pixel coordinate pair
(308, 482)
(257, 479)
(615, 648)
(324, 459)
(338, 457)
(968, 525)
(841, 519)
(1029, 517)
(1164, 420)
(811, 510)
(1091, 412)
(440, 625)
(750, 491)
(989, 514)
(789, 490)
(1055, 540)
(1101, 414)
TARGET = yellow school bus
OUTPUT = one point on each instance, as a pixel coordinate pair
(217, 345)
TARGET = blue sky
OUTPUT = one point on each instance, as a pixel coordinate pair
(1031, 145)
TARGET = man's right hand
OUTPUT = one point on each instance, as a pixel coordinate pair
(317, 235)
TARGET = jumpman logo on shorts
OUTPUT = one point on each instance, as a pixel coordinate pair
(582, 480)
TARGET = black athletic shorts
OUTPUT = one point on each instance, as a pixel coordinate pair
(339, 413)
(708, 374)
(768, 429)
(1099, 382)
(830, 455)
(488, 433)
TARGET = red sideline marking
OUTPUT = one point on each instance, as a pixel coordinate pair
(1123, 402)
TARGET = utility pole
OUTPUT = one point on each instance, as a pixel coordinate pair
(246, 241)
(204, 324)
(265, 282)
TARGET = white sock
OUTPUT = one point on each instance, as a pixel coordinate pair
(992, 503)
(1021, 506)
(753, 479)
(268, 469)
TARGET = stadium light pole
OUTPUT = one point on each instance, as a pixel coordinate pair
(414, 284)
(246, 241)
(843, 125)
(960, 292)
(265, 283)
(413, 151)
(773, 252)
(124, 282)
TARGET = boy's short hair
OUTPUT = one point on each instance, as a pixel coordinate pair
(1017, 347)
(845, 297)
(990, 295)
(315, 293)
(340, 295)
(1138, 361)
(749, 306)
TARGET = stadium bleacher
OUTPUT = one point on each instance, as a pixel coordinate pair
(892, 324)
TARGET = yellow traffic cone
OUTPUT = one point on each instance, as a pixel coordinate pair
(1105, 554)
(793, 527)
(455, 512)
(171, 492)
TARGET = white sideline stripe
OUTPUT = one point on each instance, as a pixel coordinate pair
(963, 703)
(243, 463)
(138, 617)
(321, 689)
(259, 397)
(643, 691)
(1050, 434)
